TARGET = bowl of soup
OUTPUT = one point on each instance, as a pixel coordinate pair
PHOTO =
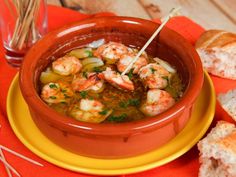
(84, 95)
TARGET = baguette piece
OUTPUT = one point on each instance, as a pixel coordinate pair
(218, 152)
(228, 102)
(217, 50)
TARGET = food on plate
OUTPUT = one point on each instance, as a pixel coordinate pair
(86, 84)
(228, 102)
(218, 151)
(217, 50)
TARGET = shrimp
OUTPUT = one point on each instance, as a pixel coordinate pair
(154, 76)
(91, 111)
(56, 92)
(66, 65)
(126, 59)
(111, 51)
(157, 102)
(89, 81)
(117, 80)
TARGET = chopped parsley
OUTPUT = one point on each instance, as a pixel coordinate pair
(83, 94)
(53, 86)
(130, 74)
(63, 90)
(89, 53)
(134, 102)
(97, 70)
(53, 97)
(91, 98)
(165, 77)
(123, 104)
(104, 112)
(66, 96)
(130, 102)
(152, 70)
(85, 74)
(119, 118)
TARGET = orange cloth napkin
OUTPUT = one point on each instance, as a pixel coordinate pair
(185, 166)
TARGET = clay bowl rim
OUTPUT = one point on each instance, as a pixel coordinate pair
(35, 103)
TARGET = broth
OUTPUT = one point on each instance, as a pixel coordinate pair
(77, 94)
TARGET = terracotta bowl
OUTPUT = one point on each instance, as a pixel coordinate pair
(121, 139)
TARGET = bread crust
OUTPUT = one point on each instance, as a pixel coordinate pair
(217, 50)
(220, 38)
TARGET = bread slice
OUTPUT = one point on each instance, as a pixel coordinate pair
(217, 50)
(228, 102)
(218, 152)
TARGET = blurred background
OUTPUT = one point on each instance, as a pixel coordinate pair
(211, 14)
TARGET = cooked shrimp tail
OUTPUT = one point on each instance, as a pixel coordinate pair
(91, 111)
(157, 102)
(115, 79)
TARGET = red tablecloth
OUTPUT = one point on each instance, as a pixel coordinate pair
(185, 166)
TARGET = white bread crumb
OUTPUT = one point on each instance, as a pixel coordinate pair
(219, 62)
(218, 152)
(228, 102)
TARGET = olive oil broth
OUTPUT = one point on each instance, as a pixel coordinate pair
(125, 105)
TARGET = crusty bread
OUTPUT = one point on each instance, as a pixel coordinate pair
(217, 50)
(218, 152)
(228, 102)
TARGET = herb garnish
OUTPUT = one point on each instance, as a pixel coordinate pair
(89, 53)
(134, 102)
(83, 94)
(104, 112)
(165, 77)
(53, 85)
(119, 118)
(130, 74)
(85, 74)
(97, 69)
(152, 70)
(91, 98)
(123, 104)
(66, 96)
(53, 97)
(130, 102)
(63, 90)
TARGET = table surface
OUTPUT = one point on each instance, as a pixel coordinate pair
(211, 14)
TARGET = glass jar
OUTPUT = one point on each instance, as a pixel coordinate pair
(22, 22)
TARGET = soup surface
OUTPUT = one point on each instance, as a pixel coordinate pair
(91, 84)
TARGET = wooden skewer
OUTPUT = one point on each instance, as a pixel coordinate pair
(29, 16)
(3, 157)
(26, 11)
(9, 166)
(20, 155)
(7, 169)
(166, 19)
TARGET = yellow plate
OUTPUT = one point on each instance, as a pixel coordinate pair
(31, 137)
